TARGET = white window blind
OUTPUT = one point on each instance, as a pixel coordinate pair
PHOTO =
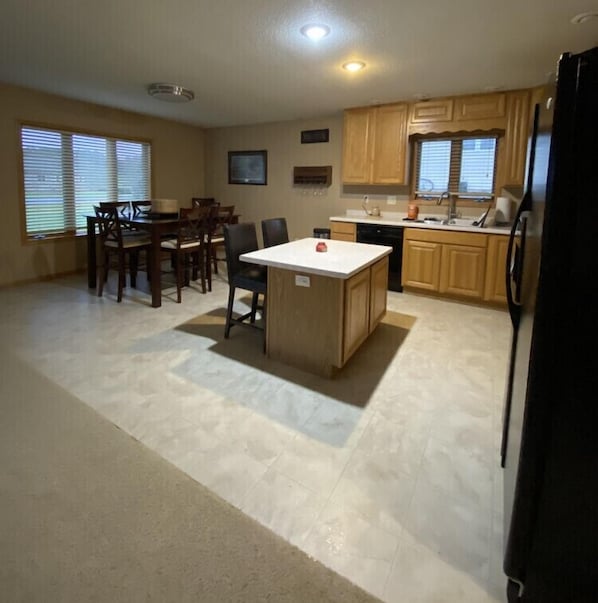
(434, 165)
(66, 173)
(463, 165)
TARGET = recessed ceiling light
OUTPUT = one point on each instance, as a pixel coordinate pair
(583, 17)
(172, 93)
(354, 66)
(315, 31)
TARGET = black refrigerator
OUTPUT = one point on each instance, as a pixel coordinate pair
(550, 430)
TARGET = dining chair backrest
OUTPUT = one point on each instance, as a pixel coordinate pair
(220, 215)
(226, 213)
(274, 231)
(194, 226)
(121, 206)
(203, 201)
(139, 205)
(109, 225)
(238, 239)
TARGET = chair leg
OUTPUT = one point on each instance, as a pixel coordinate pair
(121, 278)
(179, 276)
(148, 264)
(133, 264)
(215, 258)
(194, 266)
(254, 300)
(208, 266)
(106, 265)
(101, 279)
(202, 269)
(264, 321)
(229, 311)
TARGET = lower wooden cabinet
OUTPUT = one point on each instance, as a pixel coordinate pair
(378, 292)
(421, 264)
(462, 269)
(319, 327)
(356, 326)
(365, 305)
(456, 264)
(495, 289)
(343, 231)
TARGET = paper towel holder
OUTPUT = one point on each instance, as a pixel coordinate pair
(502, 212)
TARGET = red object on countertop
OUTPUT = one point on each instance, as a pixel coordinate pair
(321, 246)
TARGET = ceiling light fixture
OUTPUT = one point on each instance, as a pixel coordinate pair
(315, 31)
(172, 93)
(354, 66)
(583, 17)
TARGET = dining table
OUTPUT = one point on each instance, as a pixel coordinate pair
(156, 225)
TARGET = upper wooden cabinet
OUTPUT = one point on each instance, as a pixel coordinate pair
(516, 136)
(480, 106)
(432, 111)
(375, 141)
(459, 114)
(375, 145)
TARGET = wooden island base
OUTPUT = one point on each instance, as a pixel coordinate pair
(317, 328)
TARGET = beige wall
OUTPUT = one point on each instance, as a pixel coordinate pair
(280, 198)
(177, 162)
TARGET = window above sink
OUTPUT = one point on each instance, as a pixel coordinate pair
(463, 165)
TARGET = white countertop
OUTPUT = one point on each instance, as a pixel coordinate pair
(397, 219)
(342, 260)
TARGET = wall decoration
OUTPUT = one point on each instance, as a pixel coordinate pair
(248, 167)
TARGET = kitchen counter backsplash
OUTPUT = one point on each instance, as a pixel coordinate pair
(388, 218)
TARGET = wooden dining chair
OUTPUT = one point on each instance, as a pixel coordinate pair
(221, 215)
(190, 243)
(123, 248)
(239, 239)
(274, 231)
(140, 206)
(121, 206)
(203, 201)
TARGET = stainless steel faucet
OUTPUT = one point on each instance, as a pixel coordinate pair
(442, 196)
(451, 212)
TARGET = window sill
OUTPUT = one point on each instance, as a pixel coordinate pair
(52, 238)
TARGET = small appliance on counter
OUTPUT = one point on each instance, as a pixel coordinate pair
(164, 208)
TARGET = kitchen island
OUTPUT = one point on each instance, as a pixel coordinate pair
(321, 306)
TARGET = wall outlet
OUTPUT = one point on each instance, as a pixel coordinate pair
(391, 199)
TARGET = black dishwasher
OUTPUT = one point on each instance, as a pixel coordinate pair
(386, 235)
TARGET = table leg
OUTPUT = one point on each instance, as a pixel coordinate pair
(156, 285)
(91, 252)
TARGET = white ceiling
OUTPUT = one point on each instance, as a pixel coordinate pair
(248, 63)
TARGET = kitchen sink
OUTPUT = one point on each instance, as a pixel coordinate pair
(460, 222)
(438, 221)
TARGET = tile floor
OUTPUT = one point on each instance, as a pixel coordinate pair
(401, 493)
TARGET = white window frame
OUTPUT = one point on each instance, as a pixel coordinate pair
(455, 167)
(67, 203)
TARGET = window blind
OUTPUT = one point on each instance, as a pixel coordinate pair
(66, 173)
(463, 165)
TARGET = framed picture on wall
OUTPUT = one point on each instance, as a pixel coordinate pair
(248, 167)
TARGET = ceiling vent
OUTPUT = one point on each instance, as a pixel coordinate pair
(171, 93)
